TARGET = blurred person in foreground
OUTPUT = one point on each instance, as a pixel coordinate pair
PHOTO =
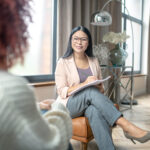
(22, 127)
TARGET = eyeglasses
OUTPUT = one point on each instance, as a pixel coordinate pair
(77, 39)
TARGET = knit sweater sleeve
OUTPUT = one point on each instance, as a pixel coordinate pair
(22, 125)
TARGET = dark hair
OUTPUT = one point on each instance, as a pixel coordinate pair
(13, 30)
(89, 48)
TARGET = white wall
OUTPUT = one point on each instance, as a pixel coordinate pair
(139, 85)
(45, 92)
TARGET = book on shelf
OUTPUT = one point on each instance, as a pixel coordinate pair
(96, 82)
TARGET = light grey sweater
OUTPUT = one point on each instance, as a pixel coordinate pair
(21, 125)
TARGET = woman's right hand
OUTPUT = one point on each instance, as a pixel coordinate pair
(90, 79)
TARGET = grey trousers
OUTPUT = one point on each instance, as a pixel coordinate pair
(100, 112)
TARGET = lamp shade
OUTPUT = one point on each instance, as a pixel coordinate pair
(101, 18)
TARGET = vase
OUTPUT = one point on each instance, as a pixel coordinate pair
(117, 56)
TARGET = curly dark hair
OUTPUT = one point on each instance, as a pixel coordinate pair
(14, 15)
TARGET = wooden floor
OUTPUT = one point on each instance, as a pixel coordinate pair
(139, 115)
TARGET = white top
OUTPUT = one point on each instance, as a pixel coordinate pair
(21, 125)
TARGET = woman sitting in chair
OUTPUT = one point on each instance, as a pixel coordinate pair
(77, 68)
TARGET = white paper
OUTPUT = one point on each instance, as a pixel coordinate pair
(96, 82)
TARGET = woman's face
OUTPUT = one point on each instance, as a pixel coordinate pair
(79, 42)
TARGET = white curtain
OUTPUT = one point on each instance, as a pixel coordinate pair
(148, 78)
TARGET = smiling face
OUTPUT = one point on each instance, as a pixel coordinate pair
(79, 42)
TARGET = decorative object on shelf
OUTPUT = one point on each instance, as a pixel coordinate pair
(101, 52)
(118, 55)
(115, 38)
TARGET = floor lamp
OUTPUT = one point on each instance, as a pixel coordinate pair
(103, 18)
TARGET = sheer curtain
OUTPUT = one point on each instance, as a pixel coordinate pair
(72, 13)
(148, 77)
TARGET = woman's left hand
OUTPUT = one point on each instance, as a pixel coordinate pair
(46, 104)
(101, 88)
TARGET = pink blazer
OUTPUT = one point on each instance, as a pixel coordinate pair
(66, 75)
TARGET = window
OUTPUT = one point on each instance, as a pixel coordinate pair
(135, 16)
(40, 61)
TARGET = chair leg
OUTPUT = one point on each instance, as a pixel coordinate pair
(83, 146)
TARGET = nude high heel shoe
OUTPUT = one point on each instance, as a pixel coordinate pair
(143, 139)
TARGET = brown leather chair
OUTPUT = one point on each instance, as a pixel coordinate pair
(82, 131)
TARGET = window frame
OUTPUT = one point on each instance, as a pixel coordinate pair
(48, 77)
(126, 17)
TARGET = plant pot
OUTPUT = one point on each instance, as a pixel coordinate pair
(117, 56)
